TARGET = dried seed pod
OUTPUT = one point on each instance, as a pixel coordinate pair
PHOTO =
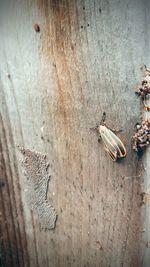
(141, 139)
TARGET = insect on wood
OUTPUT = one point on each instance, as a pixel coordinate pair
(112, 144)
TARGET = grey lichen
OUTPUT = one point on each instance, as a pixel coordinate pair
(35, 167)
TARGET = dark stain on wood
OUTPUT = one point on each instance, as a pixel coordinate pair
(37, 27)
(2, 183)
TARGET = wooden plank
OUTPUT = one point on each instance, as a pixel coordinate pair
(55, 85)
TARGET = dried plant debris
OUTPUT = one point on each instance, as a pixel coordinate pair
(143, 90)
(144, 198)
(146, 108)
(141, 139)
(35, 167)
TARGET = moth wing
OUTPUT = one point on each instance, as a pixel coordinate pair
(111, 154)
(113, 144)
(117, 142)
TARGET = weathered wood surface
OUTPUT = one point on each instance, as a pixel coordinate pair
(54, 86)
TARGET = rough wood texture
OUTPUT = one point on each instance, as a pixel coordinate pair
(55, 85)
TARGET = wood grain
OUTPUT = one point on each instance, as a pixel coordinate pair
(55, 85)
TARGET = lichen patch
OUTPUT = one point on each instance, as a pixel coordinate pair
(35, 169)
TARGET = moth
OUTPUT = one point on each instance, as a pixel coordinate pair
(112, 144)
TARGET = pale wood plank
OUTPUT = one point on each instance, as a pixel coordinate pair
(86, 59)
